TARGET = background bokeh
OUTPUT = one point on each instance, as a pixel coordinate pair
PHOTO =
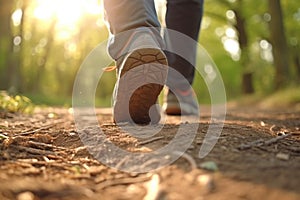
(254, 43)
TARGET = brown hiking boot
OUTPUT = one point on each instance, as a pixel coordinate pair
(141, 76)
(180, 102)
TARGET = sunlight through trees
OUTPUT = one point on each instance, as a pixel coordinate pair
(255, 44)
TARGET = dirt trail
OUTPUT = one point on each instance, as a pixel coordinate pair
(256, 157)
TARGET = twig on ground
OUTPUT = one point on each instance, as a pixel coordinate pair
(2, 136)
(123, 181)
(150, 140)
(261, 142)
(276, 139)
(294, 149)
(33, 151)
(295, 133)
(148, 163)
(250, 144)
(189, 158)
(46, 159)
(44, 145)
(273, 127)
(122, 162)
(45, 162)
(42, 128)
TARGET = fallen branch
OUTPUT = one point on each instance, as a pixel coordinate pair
(189, 158)
(276, 139)
(261, 142)
(251, 144)
(118, 166)
(158, 161)
(296, 133)
(41, 128)
(123, 181)
(2, 136)
(44, 145)
(48, 163)
(33, 151)
(150, 140)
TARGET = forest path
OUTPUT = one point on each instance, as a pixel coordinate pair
(256, 157)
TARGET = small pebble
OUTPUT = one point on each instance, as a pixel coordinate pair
(199, 142)
(3, 136)
(51, 115)
(283, 156)
(223, 148)
(206, 181)
(209, 165)
(280, 133)
(25, 196)
(72, 134)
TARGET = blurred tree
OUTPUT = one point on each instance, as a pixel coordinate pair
(6, 8)
(40, 53)
(240, 26)
(44, 59)
(237, 18)
(279, 43)
(213, 37)
(20, 47)
(296, 60)
(15, 72)
(291, 10)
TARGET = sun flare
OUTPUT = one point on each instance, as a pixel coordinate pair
(67, 13)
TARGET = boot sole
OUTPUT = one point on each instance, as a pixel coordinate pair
(147, 65)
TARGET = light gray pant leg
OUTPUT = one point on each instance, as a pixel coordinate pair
(138, 16)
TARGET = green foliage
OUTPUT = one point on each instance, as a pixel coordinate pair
(282, 98)
(48, 63)
(14, 104)
(257, 21)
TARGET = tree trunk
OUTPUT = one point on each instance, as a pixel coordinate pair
(247, 81)
(297, 64)
(296, 61)
(247, 74)
(5, 41)
(279, 44)
(19, 76)
(44, 58)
